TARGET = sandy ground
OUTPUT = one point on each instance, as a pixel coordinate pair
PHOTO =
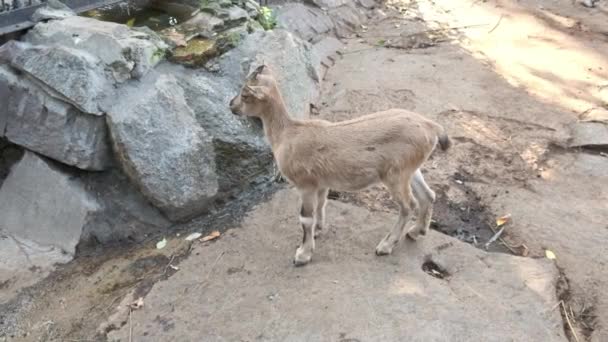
(508, 80)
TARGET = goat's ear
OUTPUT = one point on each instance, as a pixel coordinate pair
(258, 70)
(255, 91)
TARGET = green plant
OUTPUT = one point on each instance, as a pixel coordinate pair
(267, 18)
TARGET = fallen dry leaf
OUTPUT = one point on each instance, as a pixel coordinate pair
(161, 244)
(193, 236)
(501, 221)
(214, 235)
(137, 304)
(550, 255)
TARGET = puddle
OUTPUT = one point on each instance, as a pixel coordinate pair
(138, 15)
(434, 270)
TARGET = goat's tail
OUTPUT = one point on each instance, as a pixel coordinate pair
(444, 141)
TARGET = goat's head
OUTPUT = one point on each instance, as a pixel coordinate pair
(257, 94)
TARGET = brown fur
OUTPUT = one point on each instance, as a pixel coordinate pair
(316, 155)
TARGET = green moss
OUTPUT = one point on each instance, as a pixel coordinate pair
(267, 18)
(158, 55)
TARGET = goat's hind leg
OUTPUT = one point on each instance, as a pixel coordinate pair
(401, 192)
(320, 211)
(307, 220)
(426, 198)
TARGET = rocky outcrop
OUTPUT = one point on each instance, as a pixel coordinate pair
(71, 75)
(33, 119)
(162, 148)
(58, 207)
(128, 53)
(307, 22)
(289, 56)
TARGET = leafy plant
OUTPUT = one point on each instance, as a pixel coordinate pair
(267, 18)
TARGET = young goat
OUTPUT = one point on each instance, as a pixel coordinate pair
(317, 155)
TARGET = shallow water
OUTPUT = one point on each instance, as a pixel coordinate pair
(136, 16)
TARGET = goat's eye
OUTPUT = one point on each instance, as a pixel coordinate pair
(246, 97)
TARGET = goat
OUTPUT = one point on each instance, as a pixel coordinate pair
(318, 155)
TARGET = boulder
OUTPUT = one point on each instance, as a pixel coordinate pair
(347, 19)
(54, 10)
(324, 53)
(290, 57)
(203, 24)
(162, 148)
(56, 207)
(232, 16)
(71, 75)
(42, 204)
(41, 123)
(589, 134)
(327, 4)
(128, 53)
(304, 21)
(242, 156)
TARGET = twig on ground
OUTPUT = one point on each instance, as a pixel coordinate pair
(568, 321)
(497, 23)
(510, 247)
(130, 326)
(169, 264)
(494, 238)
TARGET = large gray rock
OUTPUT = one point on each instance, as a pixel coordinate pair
(290, 57)
(306, 22)
(128, 53)
(71, 75)
(162, 148)
(347, 19)
(325, 53)
(38, 122)
(589, 134)
(54, 10)
(54, 206)
(242, 156)
(42, 204)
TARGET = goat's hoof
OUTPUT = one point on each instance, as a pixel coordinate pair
(318, 232)
(413, 236)
(302, 257)
(384, 249)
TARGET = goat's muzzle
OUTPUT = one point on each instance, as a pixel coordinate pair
(234, 108)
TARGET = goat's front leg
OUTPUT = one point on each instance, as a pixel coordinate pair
(320, 211)
(307, 220)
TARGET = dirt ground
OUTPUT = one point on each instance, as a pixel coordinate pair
(507, 79)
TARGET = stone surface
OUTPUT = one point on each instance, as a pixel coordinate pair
(304, 21)
(369, 4)
(128, 53)
(347, 19)
(70, 75)
(41, 123)
(162, 148)
(40, 203)
(233, 16)
(330, 3)
(324, 53)
(242, 155)
(596, 115)
(203, 23)
(50, 211)
(589, 134)
(50, 205)
(54, 10)
(346, 293)
(288, 55)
